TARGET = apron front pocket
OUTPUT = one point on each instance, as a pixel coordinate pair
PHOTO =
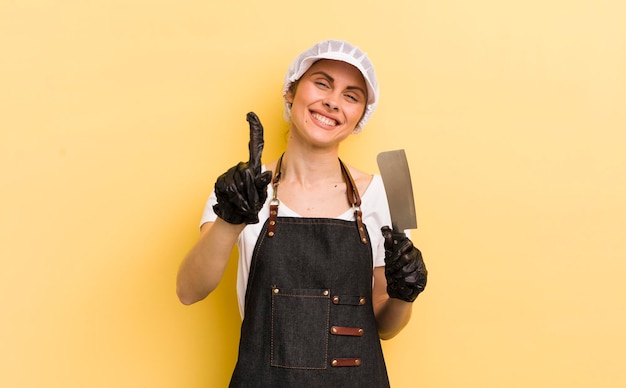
(300, 326)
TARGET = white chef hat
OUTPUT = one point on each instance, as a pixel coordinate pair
(340, 51)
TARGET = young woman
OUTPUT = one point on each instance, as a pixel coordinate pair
(320, 279)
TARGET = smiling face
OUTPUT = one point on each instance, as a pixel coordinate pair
(327, 102)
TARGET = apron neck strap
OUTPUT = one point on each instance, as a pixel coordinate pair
(355, 200)
(352, 192)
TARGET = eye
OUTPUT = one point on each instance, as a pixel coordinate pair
(322, 84)
(352, 97)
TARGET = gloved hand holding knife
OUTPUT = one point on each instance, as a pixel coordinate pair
(404, 267)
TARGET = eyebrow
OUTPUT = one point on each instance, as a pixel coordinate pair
(331, 79)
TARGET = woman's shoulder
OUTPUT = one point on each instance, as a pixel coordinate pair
(365, 181)
(358, 173)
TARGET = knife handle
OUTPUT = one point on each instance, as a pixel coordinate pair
(397, 236)
(392, 236)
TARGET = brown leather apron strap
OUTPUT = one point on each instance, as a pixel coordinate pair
(349, 331)
(349, 300)
(274, 202)
(355, 200)
(352, 192)
(354, 361)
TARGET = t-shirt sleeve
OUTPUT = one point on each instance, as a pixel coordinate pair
(209, 215)
(377, 216)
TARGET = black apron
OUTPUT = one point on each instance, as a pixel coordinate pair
(309, 320)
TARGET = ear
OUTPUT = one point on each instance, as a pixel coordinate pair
(291, 92)
(289, 96)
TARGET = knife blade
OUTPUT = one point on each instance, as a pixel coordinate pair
(394, 169)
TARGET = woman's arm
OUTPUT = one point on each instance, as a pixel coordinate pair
(392, 314)
(203, 267)
(240, 192)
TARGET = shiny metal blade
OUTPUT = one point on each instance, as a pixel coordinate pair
(394, 169)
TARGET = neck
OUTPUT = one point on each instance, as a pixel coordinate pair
(310, 167)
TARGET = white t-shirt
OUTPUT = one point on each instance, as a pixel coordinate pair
(375, 215)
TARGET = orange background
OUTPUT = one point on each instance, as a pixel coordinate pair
(116, 117)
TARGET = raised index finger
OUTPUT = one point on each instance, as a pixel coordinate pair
(255, 146)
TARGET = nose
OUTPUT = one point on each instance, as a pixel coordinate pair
(330, 102)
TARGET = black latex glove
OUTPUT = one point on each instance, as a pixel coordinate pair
(404, 267)
(242, 190)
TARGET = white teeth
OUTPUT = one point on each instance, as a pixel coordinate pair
(324, 120)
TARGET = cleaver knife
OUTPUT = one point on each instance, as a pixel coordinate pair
(394, 169)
